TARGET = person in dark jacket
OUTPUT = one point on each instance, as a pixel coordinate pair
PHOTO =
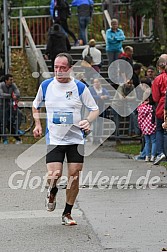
(9, 114)
(57, 43)
(136, 74)
(60, 12)
(127, 55)
(85, 9)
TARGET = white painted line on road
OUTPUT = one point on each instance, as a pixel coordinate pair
(36, 214)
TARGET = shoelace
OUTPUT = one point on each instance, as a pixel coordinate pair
(68, 215)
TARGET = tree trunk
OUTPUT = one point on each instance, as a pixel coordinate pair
(160, 30)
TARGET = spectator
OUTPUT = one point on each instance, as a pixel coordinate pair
(60, 12)
(159, 87)
(91, 62)
(57, 43)
(114, 38)
(164, 125)
(105, 6)
(9, 94)
(144, 87)
(122, 105)
(81, 77)
(136, 74)
(144, 84)
(146, 122)
(127, 55)
(101, 95)
(85, 10)
(150, 74)
(163, 56)
(95, 54)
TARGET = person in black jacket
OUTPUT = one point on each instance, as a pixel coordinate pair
(57, 43)
(60, 12)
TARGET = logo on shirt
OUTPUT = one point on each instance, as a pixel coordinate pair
(69, 95)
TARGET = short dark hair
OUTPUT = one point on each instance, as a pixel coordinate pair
(137, 66)
(151, 68)
(56, 27)
(146, 81)
(68, 56)
(7, 76)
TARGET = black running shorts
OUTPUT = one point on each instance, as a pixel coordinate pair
(58, 153)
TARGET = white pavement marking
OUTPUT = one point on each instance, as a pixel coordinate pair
(36, 214)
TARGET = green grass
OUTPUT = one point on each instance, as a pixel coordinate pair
(131, 148)
(164, 164)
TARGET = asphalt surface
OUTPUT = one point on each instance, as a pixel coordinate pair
(121, 206)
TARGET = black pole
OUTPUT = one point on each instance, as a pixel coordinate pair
(2, 53)
(6, 39)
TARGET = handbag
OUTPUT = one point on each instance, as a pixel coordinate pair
(88, 58)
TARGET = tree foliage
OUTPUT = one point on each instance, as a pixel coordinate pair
(157, 10)
(146, 7)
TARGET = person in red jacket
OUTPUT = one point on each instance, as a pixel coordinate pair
(127, 55)
(159, 87)
(164, 125)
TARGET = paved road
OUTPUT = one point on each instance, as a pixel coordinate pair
(121, 206)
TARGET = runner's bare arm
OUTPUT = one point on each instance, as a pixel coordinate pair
(37, 132)
(86, 123)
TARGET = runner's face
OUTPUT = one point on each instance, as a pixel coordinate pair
(62, 69)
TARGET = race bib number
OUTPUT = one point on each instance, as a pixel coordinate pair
(63, 117)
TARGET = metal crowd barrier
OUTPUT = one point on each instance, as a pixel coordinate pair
(16, 118)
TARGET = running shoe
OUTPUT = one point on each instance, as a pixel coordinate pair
(67, 220)
(159, 158)
(50, 202)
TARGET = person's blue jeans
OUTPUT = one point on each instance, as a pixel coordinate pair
(133, 124)
(143, 153)
(159, 136)
(150, 144)
(112, 56)
(83, 23)
(165, 142)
